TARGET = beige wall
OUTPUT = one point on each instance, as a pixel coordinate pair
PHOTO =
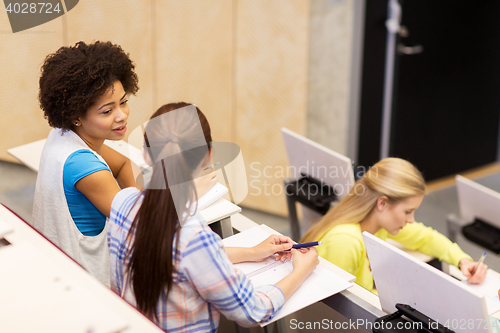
(271, 91)
(194, 51)
(253, 66)
(21, 120)
(329, 73)
(128, 23)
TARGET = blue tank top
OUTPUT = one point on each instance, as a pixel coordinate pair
(88, 219)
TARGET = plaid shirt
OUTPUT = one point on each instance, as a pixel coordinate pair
(204, 280)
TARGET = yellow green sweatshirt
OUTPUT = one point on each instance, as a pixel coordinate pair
(343, 245)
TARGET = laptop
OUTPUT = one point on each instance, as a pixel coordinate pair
(477, 201)
(400, 278)
(319, 162)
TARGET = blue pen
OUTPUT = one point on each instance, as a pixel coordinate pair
(299, 246)
(211, 166)
(478, 263)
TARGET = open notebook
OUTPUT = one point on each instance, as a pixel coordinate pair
(321, 284)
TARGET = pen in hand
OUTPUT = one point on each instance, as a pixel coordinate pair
(211, 166)
(303, 245)
(478, 263)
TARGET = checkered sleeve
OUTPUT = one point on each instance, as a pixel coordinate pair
(208, 268)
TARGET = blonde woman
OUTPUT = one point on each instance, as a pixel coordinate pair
(383, 203)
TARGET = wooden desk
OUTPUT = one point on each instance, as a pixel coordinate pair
(218, 214)
(98, 294)
(29, 154)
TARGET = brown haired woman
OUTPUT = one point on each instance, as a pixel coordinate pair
(167, 261)
(84, 91)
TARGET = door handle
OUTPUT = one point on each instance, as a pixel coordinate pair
(409, 50)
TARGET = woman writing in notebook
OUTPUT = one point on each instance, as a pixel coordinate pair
(383, 203)
(167, 261)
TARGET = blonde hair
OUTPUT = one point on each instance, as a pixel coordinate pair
(393, 177)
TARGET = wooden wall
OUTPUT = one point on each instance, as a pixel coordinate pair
(244, 63)
(271, 81)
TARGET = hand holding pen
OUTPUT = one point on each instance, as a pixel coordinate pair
(303, 248)
(211, 166)
(303, 245)
(280, 245)
(274, 244)
(474, 271)
(478, 264)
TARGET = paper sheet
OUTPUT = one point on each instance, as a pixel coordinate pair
(489, 288)
(321, 284)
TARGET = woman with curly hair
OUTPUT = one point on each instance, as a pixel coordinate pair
(84, 92)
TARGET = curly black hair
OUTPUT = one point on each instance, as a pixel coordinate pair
(73, 78)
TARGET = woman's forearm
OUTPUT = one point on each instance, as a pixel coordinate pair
(291, 282)
(239, 254)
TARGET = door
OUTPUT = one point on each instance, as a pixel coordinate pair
(446, 94)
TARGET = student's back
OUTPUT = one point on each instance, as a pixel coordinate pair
(205, 282)
(166, 261)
